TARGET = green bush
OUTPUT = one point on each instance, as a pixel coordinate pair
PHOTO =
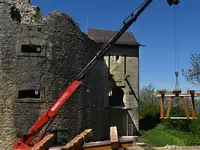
(194, 126)
(149, 109)
(194, 141)
(180, 125)
(185, 125)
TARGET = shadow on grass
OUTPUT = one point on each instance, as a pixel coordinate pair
(149, 122)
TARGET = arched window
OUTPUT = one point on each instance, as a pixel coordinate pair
(116, 97)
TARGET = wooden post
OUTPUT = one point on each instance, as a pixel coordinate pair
(114, 140)
(193, 107)
(162, 93)
(162, 107)
(185, 108)
(169, 107)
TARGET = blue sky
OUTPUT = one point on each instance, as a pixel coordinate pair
(154, 28)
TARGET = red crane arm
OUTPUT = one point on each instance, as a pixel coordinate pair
(49, 114)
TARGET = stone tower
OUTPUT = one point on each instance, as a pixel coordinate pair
(38, 57)
(123, 66)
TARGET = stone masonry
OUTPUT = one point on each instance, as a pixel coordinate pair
(37, 61)
(122, 62)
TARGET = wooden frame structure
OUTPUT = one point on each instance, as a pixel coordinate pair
(191, 93)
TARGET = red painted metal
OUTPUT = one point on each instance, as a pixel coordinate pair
(23, 143)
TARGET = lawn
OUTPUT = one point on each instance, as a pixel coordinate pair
(160, 137)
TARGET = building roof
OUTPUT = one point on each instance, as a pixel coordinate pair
(103, 36)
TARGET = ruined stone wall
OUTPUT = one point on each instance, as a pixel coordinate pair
(40, 59)
(28, 13)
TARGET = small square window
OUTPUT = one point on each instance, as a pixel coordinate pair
(28, 94)
(31, 48)
(34, 48)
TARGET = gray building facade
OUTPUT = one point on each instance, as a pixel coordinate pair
(123, 80)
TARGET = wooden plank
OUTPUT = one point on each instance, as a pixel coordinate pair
(169, 107)
(179, 118)
(114, 140)
(97, 144)
(78, 141)
(106, 145)
(127, 139)
(124, 141)
(45, 142)
(86, 134)
(181, 95)
(68, 146)
(185, 108)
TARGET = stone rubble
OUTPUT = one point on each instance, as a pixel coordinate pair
(27, 11)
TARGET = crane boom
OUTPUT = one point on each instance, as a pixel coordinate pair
(24, 142)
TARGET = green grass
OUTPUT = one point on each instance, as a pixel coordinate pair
(160, 137)
(148, 148)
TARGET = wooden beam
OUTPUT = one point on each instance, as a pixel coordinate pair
(179, 118)
(103, 146)
(98, 145)
(185, 108)
(177, 92)
(191, 91)
(124, 142)
(45, 142)
(169, 107)
(114, 140)
(162, 92)
(78, 141)
(86, 134)
(180, 95)
(68, 146)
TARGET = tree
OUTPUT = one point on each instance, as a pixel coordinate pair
(193, 75)
(149, 104)
(149, 108)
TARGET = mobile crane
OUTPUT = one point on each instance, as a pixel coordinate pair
(24, 143)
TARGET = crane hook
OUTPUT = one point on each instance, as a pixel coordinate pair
(176, 73)
(177, 84)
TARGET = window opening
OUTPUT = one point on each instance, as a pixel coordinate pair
(117, 58)
(31, 48)
(28, 94)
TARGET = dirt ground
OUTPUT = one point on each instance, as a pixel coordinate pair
(167, 148)
(178, 148)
